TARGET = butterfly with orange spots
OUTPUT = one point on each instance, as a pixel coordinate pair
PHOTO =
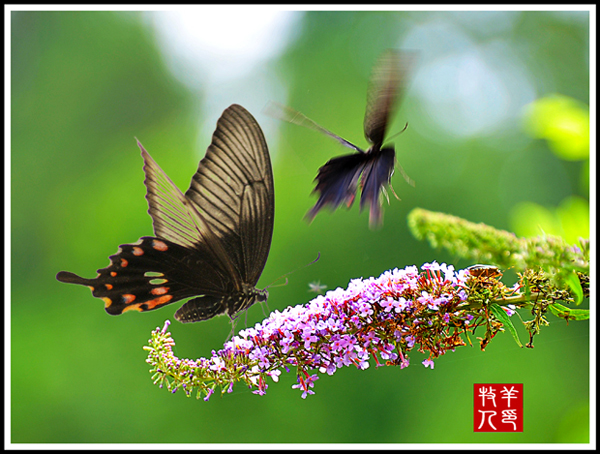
(211, 242)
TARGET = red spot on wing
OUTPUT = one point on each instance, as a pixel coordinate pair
(124, 263)
(159, 245)
(158, 301)
(128, 298)
(159, 290)
(138, 251)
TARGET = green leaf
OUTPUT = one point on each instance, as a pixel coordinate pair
(575, 286)
(501, 315)
(564, 122)
(569, 314)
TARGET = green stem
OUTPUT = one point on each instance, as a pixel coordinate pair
(521, 299)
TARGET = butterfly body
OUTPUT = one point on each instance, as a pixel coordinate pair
(211, 243)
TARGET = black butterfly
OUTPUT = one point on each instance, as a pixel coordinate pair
(338, 179)
(212, 242)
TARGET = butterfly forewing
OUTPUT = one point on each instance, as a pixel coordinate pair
(173, 216)
(293, 116)
(177, 219)
(388, 80)
(337, 181)
(235, 172)
(255, 234)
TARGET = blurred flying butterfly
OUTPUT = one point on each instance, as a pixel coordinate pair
(211, 243)
(337, 180)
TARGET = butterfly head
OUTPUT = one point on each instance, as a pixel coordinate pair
(239, 302)
(262, 296)
(257, 295)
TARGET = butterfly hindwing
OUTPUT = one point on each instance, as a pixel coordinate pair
(337, 182)
(376, 175)
(206, 307)
(143, 276)
(201, 308)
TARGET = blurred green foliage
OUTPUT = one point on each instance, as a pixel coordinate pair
(565, 124)
(571, 219)
(84, 84)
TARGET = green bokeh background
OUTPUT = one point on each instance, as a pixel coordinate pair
(85, 83)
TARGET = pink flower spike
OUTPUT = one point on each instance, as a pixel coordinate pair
(373, 321)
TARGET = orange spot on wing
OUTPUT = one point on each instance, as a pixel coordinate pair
(107, 302)
(138, 251)
(159, 290)
(108, 286)
(158, 301)
(128, 298)
(91, 288)
(159, 245)
(133, 307)
(113, 273)
(124, 263)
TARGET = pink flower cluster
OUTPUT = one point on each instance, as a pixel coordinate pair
(376, 318)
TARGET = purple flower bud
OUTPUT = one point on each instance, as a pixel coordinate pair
(428, 363)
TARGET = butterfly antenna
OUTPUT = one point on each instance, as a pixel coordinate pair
(286, 274)
(398, 133)
(278, 285)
